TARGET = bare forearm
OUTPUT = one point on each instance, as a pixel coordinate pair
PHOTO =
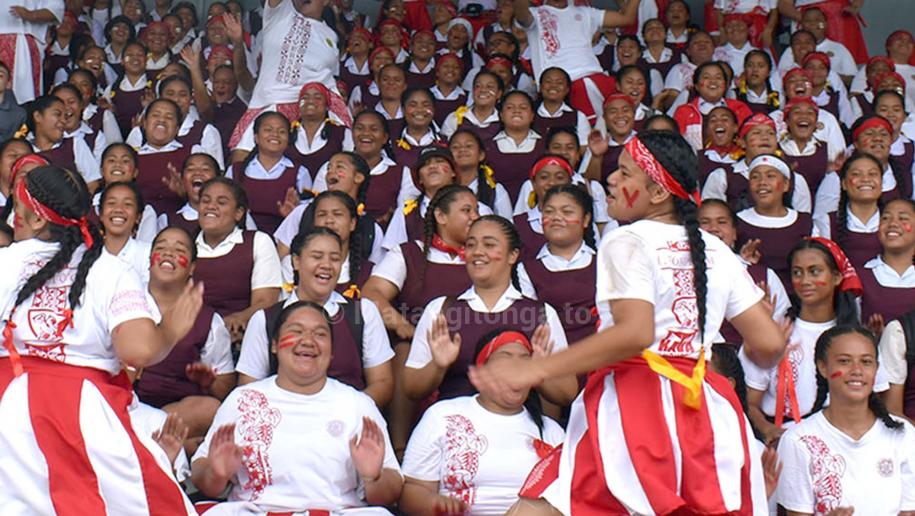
(419, 383)
(41, 16)
(240, 64)
(201, 97)
(222, 386)
(599, 350)
(418, 500)
(592, 173)
(789, 10)
(203, 478)
(561, 390)
(385, 490)
(522, 12)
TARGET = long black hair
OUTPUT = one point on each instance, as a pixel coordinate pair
(137, 197)
(584, 200)
(361, 240)
(486, 193)
(742, 91)
(257, 125)
(844, 305)
(874, 402)
(532, 403)
(64, 192)
(726, 361)
(39, 105)
(676, 155)
(303, 238)
(442, 200)
(238, 193)
(514, 241)
(841, 236)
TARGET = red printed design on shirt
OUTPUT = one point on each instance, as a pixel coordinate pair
(294, 51)
(826, 470)
(679, 340)
(45, 313)
(258, 420)
(463, 448)
(549, 31)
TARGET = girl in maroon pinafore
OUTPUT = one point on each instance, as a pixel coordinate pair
(419, 129)
(891, 105)
(354, 70)
(754, 88)
(618, 120)
(721, 146)
(370, 141)
(513, 150)
(267, 174)
(817, 65)
(420, 65)
(392, 83)
(198, 372)
(119, 165)
(563, 273)
(473, 172)
(874, 135)
(196, 170)
(804, 154)
(161, 153)
(447, 91)
(770, 224)
(240, 268)
(366, 95)
(549, 171)
(45, 120)
(129, 90)
(889, 278)
(481, 116)
(316, 136)
(854, 225)
(553, 110)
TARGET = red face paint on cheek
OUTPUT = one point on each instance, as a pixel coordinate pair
(17, 222)
(906, 227)
(288, 341)
(182, 262)
(835, 375)
(155, 258)
(820, 283)
(630, 197)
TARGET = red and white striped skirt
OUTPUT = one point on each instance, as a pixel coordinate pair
(633, 447)
(67, 446)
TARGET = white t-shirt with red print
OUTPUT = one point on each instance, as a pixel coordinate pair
(562, 38)
(475, 455)
(296, 446)
(824, 469)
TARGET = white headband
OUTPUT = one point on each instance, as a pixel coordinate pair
(772, 161)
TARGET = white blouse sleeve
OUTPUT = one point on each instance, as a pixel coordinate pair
(267, 272)
(217, 351)
(254, 358)
(422, 459)
(375, 344)
(892, 354)
(795, 486)
(624, 270)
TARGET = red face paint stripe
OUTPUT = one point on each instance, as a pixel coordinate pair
(155, 258)
(907, 227)
(288, 341)
(630, 198)
(183, 262)
(835, 375)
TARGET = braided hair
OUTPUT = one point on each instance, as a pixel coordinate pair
(676, 155)
(874, 402)
(514, 240)
(485, 193)
(772, 100)
(360, 240)
(844, 305)
(841, 236)
(64, 192)
(442, 200)
(584, 200)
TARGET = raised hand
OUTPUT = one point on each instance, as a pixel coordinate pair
(445, 349)
(750, 251)
(541, 342)
(201, 374)
(183, 314)
(225, 457)
(20, 12)
(233, 29)
(876, 324)
(506, 375)
(171, 436)
(173, 180)
(367, 451)
(597, 143)
(772, 470)
(289, 202)
(191, 56)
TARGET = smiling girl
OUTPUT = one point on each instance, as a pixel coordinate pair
(889, 278)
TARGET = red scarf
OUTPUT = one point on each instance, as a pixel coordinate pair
(441, 245)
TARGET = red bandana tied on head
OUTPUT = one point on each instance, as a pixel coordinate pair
(656, 171)
(618, 96)
(364, 32)
(24, 197)
(440, 244)
(20, 163)
(899, 34)
(317, 86)
(795, 71)
(817, 56)
(850, 281)
(874, 121)
(502, 339)
(550, 160)
(756, 120)
(891, 74)
(797, 101)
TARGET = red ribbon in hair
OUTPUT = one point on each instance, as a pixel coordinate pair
(784, 387)
(364, 32)
(875, 121)
(20, 163)
(444, 57)
(445, 247)
(850, 281)
(502, 339)
(619, 96)
(23, 196)
(881, 59)
(754, 121)
(550, 160)
(656, 171)
(379, 50)
(817, 56)
(10, 347)
(795, 71)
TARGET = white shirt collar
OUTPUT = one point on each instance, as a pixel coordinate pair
(382, 165)
(350, 64)
(470, 116)
(168, 147)
(583, 250)
(706, 107)
(855, 224)
(751, 216)
(276, 170)
(789, 146)
(424, 140)
(454, 95)
(666, 56)
(235, 237)
(476, 303)
(379, 107)
(888, 277)
(429, 66)
(563, 108)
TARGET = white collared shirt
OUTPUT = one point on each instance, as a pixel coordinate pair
(450, 125)
(888, 277)
(501, 202)
(318, 142)
(100, 141)
(454, 95)
(256, 170)
(427, 139)
(507, 144)
(210, 140)
(254, 360)
(421, 355)
(716, 187)
(582, 127)
(822, 228)
(790, 148)
(350, 64)
(189, 213)
(379, 107)
(754, 218)
(136, 254)
(827, 199)
(266, 272)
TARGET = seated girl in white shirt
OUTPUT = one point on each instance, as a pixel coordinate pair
(853, 456)
(120, 206)
(298, 440)
(504, 432)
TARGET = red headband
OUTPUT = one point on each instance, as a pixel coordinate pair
(754, 121)
(656, 171)
(68, 15)
(443, 57)
(499, 60)
(735, 17)
(550, 160)
(421, 32)
(362, 30)
(619, 96)
(24, 197)
(850, 281)
(884, 76)
(881, 59)
(870, 123)
(216, 19)
(20, 163)
(795, 71)
(502, 339)
(318, 86)
(221, 50)
(797, 101)
(904, 34)
(379, 50)
(817, 56)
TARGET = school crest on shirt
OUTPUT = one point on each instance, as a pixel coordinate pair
(885, 467)
(463, 447)
(257, 421)
(335, 428)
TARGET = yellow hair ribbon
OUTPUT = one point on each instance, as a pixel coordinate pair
(330, 121)
(149, 84)
(774, 99)
(459, 114)
(737, 154)
(22, 132)
(288, 287)
(409, 206)
(531, 199)
(489, 174)
(360, 210)
(111, 95)
(403, 144)
(692, 384)
(352, 292)
(295, 124)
